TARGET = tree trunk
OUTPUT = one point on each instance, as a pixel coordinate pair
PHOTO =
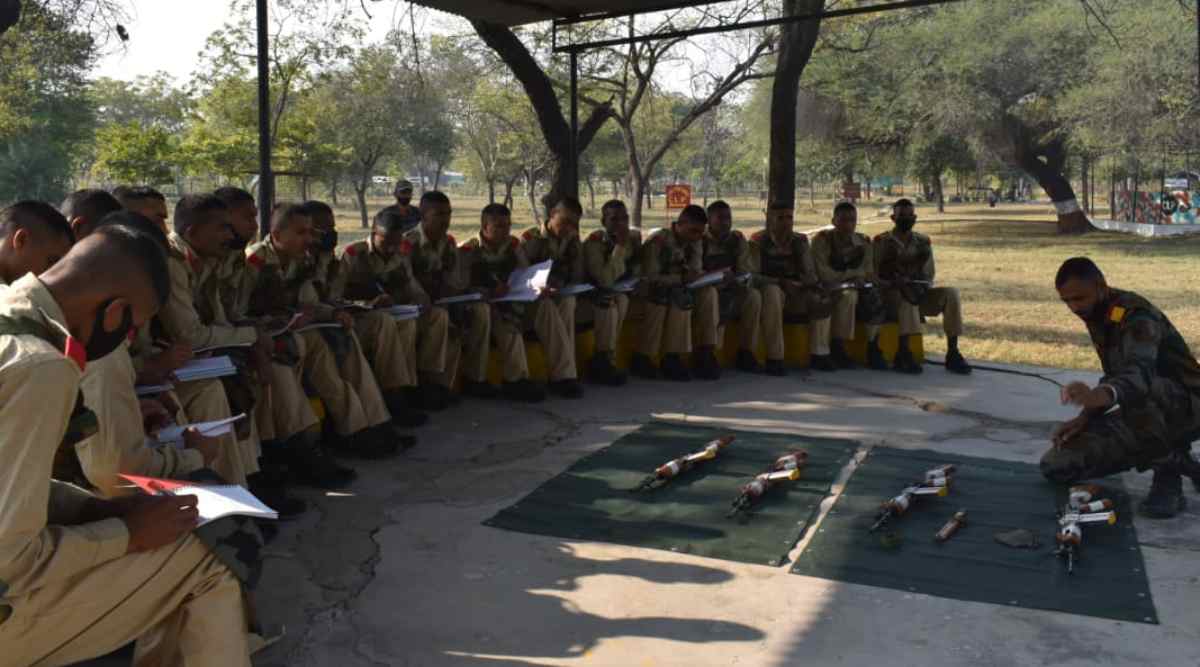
(437, 177)
(304, 188)
(1044, 160)
(360, 191)
(508, 191)
(639, 192)
(530, 187)
(937, 191)
(795, 48)
(10, 13)
(491, 190)
(591, 195)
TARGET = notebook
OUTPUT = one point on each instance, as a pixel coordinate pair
(202, 369)
(212, 501)
(212, 429)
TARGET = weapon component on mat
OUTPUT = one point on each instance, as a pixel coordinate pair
(935, 484)
(1082, 507)
(952, 526)
(675, 467)
(784, 469)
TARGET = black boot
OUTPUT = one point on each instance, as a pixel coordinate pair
(311, 465)
(776, 367)
(841, 358)
(1187, 465)
(374, 442)
(569, 388)
(674, 369)
(275, 497)
(398, 405)
(524, 391)
(747, 362)
(1165, 499)
(430, 396)
(956, 364)
(642, 367)
(705, 364)
(603, 371)
(480, 389)
(875, 358)
(904, 362)
(822, 362)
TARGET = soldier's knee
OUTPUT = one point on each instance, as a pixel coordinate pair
(754, 298)
(1060, 466)
(439, 316)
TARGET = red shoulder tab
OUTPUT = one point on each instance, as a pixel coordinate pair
(597, 235)
(513, 243)
(759, 235)
(529, 235)
(352, 250)
(406, 247)
(738, 233)
(256, 261)
(450, 238)
(75, 351)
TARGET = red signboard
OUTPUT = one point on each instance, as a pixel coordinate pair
(852, 191)
(679, 195)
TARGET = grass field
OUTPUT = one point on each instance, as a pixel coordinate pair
(1002, 259)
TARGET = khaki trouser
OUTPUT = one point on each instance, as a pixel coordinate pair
(839, 325)
(470, 346)
(776, 302)
(706, 316)
(665, 328)
(179, 602)
(284, 410)
(204, 400)
(749, 314)
(608, 322)
(554, 321)
(349, 392)
(390, 347)
(432, 332)
(509, 342)
(942, 301)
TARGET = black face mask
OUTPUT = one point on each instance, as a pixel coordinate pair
(104, 341)
(905, 224)
(327, 242)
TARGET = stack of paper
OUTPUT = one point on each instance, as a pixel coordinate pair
(288, 326)
(318, 325)
(404, 311)
(527, 284)
(152, 389)
(627, 285)
(461, 298)
(210, 348)
(212, 429)
(212, 502)
(708, 279)
(203, 369)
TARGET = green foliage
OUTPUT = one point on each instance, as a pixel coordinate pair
(134, 153)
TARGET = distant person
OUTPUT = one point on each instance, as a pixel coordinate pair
(726, 249)
(145, 200)
(1150, 376)
(905, 268)
(409, 215)
(845, 264)
(610, 255)
(33, 236)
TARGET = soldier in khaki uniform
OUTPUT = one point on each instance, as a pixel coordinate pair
(846, 266)
(672, 258)
(553, 316)
(610, 255)
(281, 275)
(33, 236)
(904, 265)
(82, 576)
(145, 201)
(726, 249)
(434, 259)
(784, 271)
(390, 345)
(486, 262)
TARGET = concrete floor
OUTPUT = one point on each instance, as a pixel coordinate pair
(399, 571)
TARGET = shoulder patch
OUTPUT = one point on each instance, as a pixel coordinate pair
(406, 247)
(738, 233)
(351, 250)
(514, 243)
(759, 235)
(597, 235)
(450, 238)
(255, 261)
(530, 234)
(1116, 314)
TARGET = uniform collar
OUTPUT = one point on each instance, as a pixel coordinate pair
(28, 297)
(195, 261)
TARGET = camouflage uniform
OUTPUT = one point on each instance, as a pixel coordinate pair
(788, 279)
(737, 301)
(484, 269)
(670, 306)
(897, 261)
(841, 259)
(1156, 381)
(554, 318)
(605, 262)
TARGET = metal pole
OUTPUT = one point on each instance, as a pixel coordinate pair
(266, 194)
(573, 166)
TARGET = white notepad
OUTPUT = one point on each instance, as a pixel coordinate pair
(707, 279)
(572, 290)
(212, 429)
(627, 285)
(461, 298)
(202, 369)
(214, 502)
(527, 284)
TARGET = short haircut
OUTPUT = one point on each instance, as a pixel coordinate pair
(844, 206)
(568, 203)
(138, 241)
(129, 194)
(496, 210)
(389, 221)
(315, 208)
(434, 197)
(232, 196)
(901, 203)
(719, 205)
(36, 216)
(195, 210)
(611, 205)
(1082, 268)
(693, 214)
(90, 204)
(281, 217)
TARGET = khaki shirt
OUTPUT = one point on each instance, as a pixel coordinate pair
(364, 274)
(666, 259)
(194, 284)
(277, 287)
(121, 444)
(605, 262)
(234, 285)
(539, 246)
(731, 252)
(485, 268)
(839, 259)
(436, 265)
(770, 263)
(912, 259)
(38, 388)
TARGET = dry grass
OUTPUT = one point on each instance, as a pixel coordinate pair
(1003, 260)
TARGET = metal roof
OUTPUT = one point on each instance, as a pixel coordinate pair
(518, 12)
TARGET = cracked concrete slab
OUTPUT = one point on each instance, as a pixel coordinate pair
(400, 571)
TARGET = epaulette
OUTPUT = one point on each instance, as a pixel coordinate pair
(470, 245)
(255, 260)
(450, 238)
(353, 248)
(531, 234)
(659, 236)
(758, 236)
(1116, 314)
(738, 234)
(597, 235)
(514, 243)
(406, 247)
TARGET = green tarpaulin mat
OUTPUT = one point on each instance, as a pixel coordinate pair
(1109, 579)
(592, 499)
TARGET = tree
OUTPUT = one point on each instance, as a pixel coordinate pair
(931, 156)
(133, 153)
(796, 44)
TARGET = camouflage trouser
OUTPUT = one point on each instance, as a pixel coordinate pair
(1125, 439)
(234, 540)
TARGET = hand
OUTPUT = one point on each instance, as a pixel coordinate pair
(159, 521)
(382, 301)
(177, 355)
(500, 290)
(154, 414)
(208, 447)
(173, 407)
(345, 319)
(1088, 398)
(1064, 434)
(548, 293)
(303, 319)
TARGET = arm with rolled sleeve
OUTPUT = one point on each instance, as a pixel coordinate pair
(1130, 382)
